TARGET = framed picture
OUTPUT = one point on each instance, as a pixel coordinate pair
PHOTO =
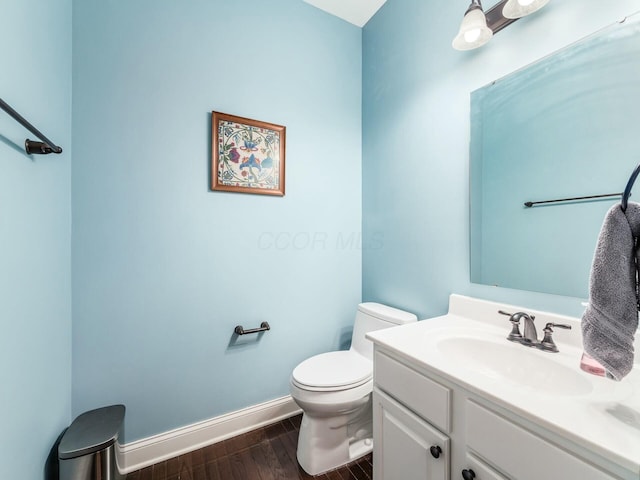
(247, 155)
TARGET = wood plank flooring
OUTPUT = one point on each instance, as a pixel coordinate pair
(268, 453)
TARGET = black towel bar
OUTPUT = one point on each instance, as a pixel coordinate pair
(531, 204)
(264, 326)
(31, 147)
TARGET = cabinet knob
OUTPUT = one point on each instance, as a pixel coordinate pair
(468, 474)
(435, 451)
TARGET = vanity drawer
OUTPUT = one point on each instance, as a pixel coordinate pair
(420, 394)
(481, 470)
(520, 453)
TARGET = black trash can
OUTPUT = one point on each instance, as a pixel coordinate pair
(87, 450)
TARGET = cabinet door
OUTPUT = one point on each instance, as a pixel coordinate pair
(402, 444)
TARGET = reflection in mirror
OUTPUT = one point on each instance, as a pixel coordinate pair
(566, 126)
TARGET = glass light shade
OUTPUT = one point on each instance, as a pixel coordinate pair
(473, 31)
(520, 8)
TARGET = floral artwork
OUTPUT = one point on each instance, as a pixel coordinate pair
(248, 155)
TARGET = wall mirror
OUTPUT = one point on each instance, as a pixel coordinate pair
(566, 126)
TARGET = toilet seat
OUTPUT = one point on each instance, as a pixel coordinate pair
(333, 371)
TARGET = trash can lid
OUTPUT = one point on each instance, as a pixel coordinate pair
(92, 431)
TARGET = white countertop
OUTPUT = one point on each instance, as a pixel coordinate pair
(548, 389)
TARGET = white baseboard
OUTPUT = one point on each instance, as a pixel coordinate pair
(142, 453)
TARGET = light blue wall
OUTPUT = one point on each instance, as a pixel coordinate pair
(35, 235)
(416, 92)
(163, 269)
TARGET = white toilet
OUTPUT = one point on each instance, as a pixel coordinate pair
(334, 392)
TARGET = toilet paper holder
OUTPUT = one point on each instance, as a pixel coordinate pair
(264, 326)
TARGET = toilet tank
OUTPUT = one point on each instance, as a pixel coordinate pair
(375, 316)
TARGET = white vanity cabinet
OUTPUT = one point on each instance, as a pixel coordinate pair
(430, 428)
(407, 447)
(408, 441)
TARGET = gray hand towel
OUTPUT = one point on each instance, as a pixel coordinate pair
(611, 319)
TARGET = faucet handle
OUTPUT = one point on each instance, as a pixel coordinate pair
(552, 325)
(515, 335)
(547, 344)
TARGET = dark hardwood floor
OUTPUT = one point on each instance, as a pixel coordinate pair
(268, 453)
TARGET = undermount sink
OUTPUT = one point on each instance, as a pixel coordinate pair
(514, 363)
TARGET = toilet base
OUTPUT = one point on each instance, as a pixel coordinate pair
(326, 443)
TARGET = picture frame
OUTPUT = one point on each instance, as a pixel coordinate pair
(247, 156)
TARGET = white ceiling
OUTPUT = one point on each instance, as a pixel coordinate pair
(357, 12)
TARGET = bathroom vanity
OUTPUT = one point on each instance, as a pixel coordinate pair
(454, 399)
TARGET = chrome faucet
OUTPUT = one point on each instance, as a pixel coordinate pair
(530, 337)
(530, 334)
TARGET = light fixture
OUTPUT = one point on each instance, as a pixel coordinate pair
(520, 8)
(474, 31)
(478, 28)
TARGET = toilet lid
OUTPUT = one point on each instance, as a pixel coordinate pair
(334, 370)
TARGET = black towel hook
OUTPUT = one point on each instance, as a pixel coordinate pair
(627, 190)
